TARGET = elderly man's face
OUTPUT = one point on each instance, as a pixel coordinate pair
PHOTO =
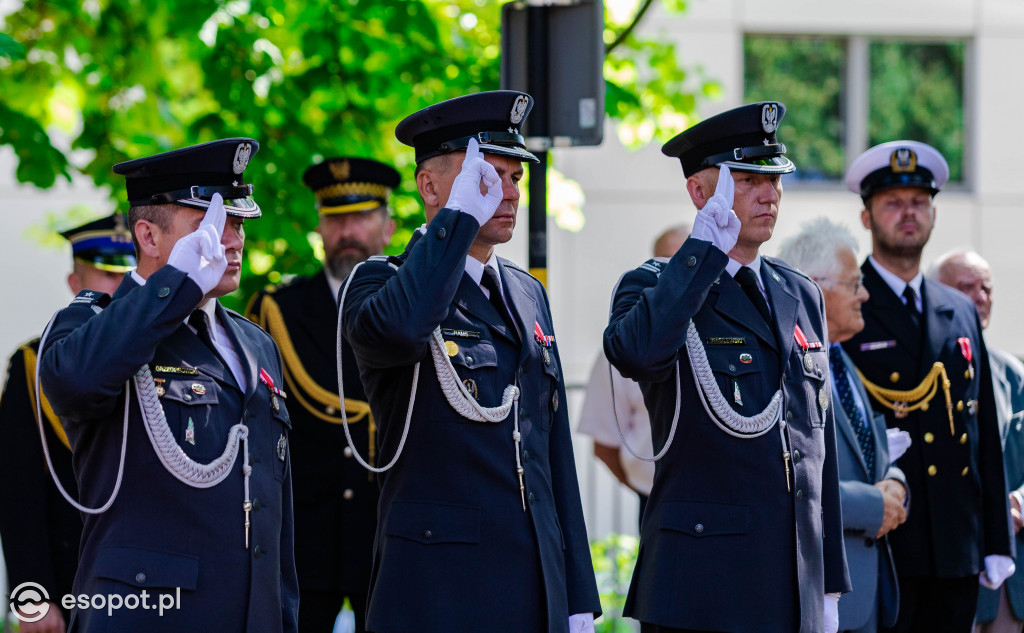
(844, 295)
(974, 280)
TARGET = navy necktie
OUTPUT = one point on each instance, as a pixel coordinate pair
(490, 281)
(201, 322)
(911, 301)
(747, 280)
(846, 398)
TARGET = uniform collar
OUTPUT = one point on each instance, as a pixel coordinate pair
(334, 284)
(733, 267)
(475, 269)
(897, 284)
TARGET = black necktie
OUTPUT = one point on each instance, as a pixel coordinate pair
(846, 398)
(911, 297)
(201, 322)
(748, 281)
(490, 281)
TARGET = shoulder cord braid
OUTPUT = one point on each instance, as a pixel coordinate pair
(454, 391)
(715, 404)
(918, 398)
(173, 458)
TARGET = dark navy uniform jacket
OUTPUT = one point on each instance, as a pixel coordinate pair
(961, 510)
(335, 497)
(39, 529)
(160, 534)
(724, 545)
(455, 551)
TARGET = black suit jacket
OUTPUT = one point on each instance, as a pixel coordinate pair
(39, 529)
(160, 535)
(956, 479)
(725, 545)
(335, 497)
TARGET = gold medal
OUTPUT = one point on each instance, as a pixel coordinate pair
(451, 348)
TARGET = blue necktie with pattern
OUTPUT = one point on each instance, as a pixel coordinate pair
(844, 389)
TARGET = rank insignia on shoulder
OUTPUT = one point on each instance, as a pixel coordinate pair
(170, 369)
(652, 266)
(877, 345)
(459, 333)
(377, 258)
(91, 297)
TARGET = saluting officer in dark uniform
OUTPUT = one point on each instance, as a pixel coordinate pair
(743, 529)
(924, 362)
(481, 526)
(335, 497)
(202, 510)
(39, 529)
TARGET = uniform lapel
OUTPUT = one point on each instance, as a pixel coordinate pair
(888, 309)
(728, 300)
(470, 298)
(522, 305)
(784, 306)
(239, 341)
(938, 322)
(184, 344)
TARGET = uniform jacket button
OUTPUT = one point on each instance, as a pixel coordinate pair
(140, 577)
(699, 528)
(526, 456)
(256, 505)
(796, 456)
(531, 498)
(163, 292)
(691, 261)
(428, 534)
(799, 495)
(441, 233)
(348, 494)
(257, 551)
(348, 451)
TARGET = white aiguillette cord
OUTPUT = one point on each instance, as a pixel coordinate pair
(174, 460)
(715, 404)
(454, 390)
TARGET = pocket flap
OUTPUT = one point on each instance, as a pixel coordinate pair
(472, 353)
(704, 519)
(430, 523)
(734, 360)
(147, 568)
(190, 391)
(814, 363)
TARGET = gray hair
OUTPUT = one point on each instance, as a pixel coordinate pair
(814, 250)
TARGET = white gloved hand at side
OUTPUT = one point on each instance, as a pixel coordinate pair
(465, 195)
(831, 613)
(899, 441)
(200, 255)
(717, 222)
(581, 623)
(997, 569)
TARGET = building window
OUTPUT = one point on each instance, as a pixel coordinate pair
(845, 94)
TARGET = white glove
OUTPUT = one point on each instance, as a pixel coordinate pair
(200, 255)
(581, 623)
(717, 222)
(997, 569)
(465, 195)
(831, 613)
(899, 442)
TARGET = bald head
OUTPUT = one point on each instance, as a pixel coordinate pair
(969, 273)
(671, 240)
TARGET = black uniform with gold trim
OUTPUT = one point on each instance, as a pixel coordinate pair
(335, 497)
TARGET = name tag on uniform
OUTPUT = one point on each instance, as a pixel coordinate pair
(876, 345)
(184, 371)
(459, 333)
(725, 340)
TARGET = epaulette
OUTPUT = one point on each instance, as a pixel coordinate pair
(391, 260)
(653, 266)
(98, 300)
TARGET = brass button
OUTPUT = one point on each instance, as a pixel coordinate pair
(960, 405)
(894, 376)
(967, 374)
(699, 528)
(963, 473)
(932, 470)
(348, 494)
(929, 438)
(963, 438)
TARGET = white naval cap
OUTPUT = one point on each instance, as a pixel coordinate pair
(897, 164)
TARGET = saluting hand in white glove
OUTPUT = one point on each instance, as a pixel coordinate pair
(467, 195)
(200, 255)
(717, 222)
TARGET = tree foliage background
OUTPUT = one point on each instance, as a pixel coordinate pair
(87, 84)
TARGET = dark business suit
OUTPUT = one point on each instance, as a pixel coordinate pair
(1008, 384)
(39, 529)
(335, 497)
(875, 595)
(724, 545)
(160, 534)
(455, 551)
(956, 479)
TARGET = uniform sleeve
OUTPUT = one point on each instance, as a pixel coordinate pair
(999, 537)
(389, 315)
(89, 356)
(863, 506)
(23, 480)
(650, 313)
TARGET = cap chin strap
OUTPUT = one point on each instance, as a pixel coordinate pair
(175, 461)
(740, 154)
(454, 390)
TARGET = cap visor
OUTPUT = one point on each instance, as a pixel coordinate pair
(773, 165)
(507, 150)
(239, 207)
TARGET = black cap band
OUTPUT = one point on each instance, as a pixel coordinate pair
(886, 178)
(743, 153)
(228, 192)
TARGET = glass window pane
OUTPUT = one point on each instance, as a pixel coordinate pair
(917, 93)
(805, 74)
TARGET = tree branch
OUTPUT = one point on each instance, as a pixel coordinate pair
(629, 29)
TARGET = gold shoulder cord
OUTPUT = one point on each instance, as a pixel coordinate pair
(299, 381)
(51, 417)
(903, 402)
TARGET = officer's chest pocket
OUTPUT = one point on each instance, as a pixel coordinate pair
(813, 373)
(738, 373)
(703, 520)
(433, 523)
(190, 404)
(476, 366)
